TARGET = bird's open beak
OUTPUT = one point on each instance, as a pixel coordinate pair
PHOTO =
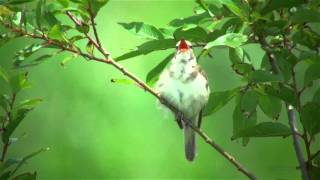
(183, 46)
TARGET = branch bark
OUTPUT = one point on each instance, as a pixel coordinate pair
(108, 60)
(290, 110)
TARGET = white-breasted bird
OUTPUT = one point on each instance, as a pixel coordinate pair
(185, 86)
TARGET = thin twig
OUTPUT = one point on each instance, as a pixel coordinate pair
(143, 85)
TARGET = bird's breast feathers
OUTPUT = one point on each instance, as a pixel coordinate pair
(185, 88)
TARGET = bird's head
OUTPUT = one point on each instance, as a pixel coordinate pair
(184, 52)
(184, 46)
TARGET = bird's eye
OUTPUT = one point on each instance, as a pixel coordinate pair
(191, 46)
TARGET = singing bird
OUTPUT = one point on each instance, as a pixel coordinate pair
(185, 85)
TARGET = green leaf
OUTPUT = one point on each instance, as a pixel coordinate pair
(307, 38)
(26, 52)
(24, 159)
(242, 68)
(242, 122)
(14, 123)
(270, 105)
(154, 74)
(232, 40)
(236, 55)
(5, 11)
(249, 101)
(310, 117)
(68, 59)
(196, 34)
(316, 96)
(261, 76)
(312, 73)
(218, 100)
(314, 173)
(5, 175)
(233, 7)
(90, 48)
(204, 6)
(276, 4)
(305, 16)
(29, 104)
(4, 101)
(195, 19)
(19, 82)
(26, 176)
(97, 5)
(264, 129)
(4, 75)
(56, 33)
(148, 47)
(143, 30)
(284, 93)
(17, 2)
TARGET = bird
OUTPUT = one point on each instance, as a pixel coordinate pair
(184, 84)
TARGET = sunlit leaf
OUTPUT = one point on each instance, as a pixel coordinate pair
(18, 82)
(90, 48)
(233, 40)
(29, 104)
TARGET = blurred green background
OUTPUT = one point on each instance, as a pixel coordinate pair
(99, 130)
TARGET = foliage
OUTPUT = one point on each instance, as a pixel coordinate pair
(285, 30)
(13, 114)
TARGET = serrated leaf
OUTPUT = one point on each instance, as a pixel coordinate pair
(248, 102)
(232, 40)
(310, 117)
(148, 47)
(270, 105)
(264, 129)
(261, 76)
(218, 100)
(154, 74)
(312, 73)
(143, 30)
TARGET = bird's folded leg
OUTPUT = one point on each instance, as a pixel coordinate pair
(179, 119)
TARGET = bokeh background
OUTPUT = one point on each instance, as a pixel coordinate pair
(99, 130)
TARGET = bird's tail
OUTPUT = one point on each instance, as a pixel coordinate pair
(190, 143)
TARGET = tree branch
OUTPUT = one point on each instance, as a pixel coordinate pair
(290, 109)
(143, 85)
